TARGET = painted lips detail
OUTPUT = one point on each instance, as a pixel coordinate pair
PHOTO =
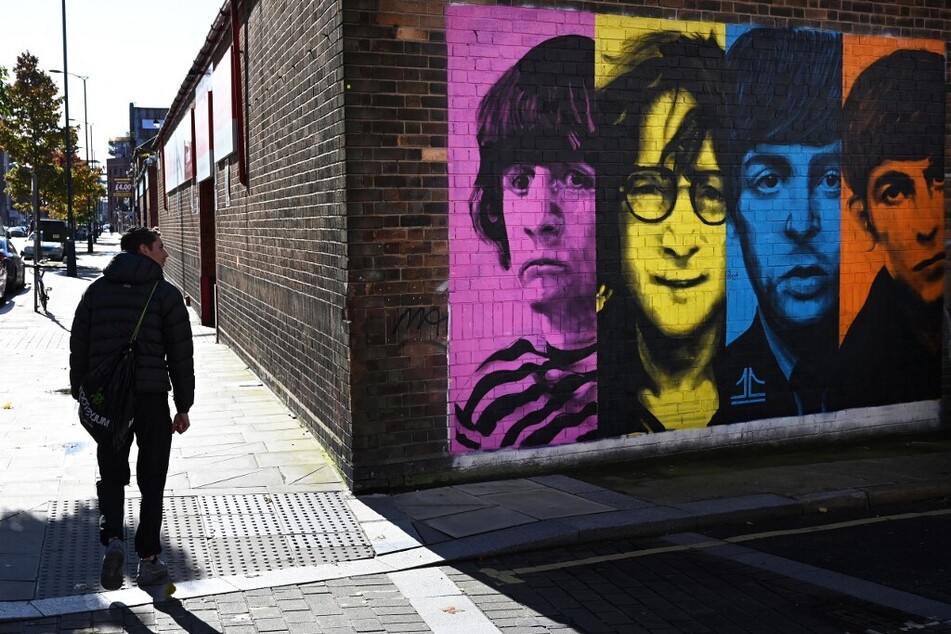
(541, 266)
(937, 257)
(812, 270)
(806, 282)
(679, 284)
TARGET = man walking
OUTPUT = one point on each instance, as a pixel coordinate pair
(105, 320)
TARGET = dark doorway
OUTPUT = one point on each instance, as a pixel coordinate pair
(206, 253)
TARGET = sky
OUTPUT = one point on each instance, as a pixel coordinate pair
(131, 51)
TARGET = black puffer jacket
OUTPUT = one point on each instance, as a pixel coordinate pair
(106, 317)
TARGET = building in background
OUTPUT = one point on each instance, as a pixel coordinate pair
(144, 124)
(119, 182)
(144, 195)
(125, 170)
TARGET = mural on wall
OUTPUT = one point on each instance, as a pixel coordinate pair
(784, 101)
(893, 135)
(523, 347)
(662, 235)
(662, 225)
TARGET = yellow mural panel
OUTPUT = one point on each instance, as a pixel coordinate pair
(611, 32)
(671, 214)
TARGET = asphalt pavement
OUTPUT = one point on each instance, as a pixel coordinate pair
(256, 510)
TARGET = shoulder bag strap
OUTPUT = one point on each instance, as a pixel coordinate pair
(142, 316)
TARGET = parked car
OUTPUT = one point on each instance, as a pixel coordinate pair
(54, 230)
(12, 269)
(81, 234)
(17, 232)
(48, 250)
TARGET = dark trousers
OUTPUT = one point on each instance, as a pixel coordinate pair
(152, 430)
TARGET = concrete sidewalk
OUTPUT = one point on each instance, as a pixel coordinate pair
(253, 502)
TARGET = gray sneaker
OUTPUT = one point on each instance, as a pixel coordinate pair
(110, 577)
(151, 572)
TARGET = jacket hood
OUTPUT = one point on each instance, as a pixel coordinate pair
(132, 268)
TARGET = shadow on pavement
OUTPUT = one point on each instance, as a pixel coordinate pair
(185, 619)
(119, 614)
(56, 553)
(82, 272)
(63, 321)
(21, 534)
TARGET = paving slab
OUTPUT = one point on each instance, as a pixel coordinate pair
(546, 503)
(484, 520)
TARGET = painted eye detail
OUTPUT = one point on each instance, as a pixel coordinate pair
(765, 183)
(647, 184)
(934, 177)
(709, 201)
(518, 180)
(576, 179)
(711, 190)
(831, 182)
(896, 192)
(521, 182)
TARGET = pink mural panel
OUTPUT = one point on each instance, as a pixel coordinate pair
(515, 343)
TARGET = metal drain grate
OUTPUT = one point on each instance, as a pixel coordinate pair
(206, 536)
(308, 513)
(256, 503)
(324, 548)
(261, 552)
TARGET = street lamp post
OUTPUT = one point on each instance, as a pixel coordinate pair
(70, 222)
(87, 141)
(90, 161)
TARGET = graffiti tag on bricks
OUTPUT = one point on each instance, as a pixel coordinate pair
(425, 321)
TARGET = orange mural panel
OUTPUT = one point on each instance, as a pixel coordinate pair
(860, 260)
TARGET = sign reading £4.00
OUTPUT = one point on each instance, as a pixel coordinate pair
(122, 187)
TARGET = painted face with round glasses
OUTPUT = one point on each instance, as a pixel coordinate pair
(673, 231)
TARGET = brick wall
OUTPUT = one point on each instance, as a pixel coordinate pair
(397, 195)
(281, 241)
(289, 229)
(334, 278)
(179, 225)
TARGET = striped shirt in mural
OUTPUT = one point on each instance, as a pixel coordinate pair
(527, 397)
